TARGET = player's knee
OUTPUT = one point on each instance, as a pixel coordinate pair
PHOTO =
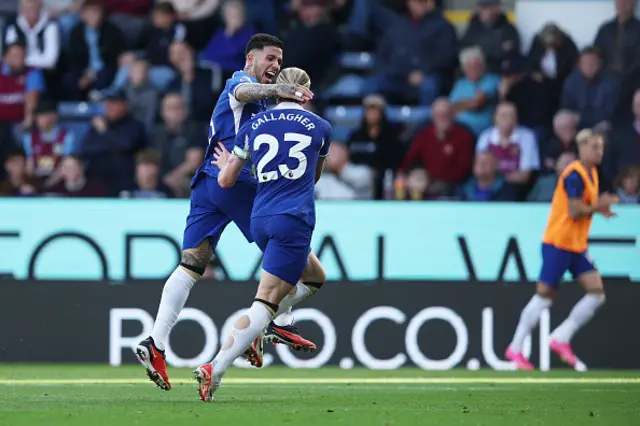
(545, 290)
(197, 258)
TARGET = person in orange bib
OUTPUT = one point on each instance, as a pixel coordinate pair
(564, 247)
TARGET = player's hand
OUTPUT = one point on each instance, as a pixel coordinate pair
(294, 91)
(608, 214)
(606, 200)
(220, 155)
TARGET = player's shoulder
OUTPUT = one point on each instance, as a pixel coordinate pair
(312, 115)
(239, 77)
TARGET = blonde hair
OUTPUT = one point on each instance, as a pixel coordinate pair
(585, 135)
(294, 75)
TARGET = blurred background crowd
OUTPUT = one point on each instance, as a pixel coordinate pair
(112, 98)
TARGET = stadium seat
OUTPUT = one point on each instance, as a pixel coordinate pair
(407, 114)
(79, 128)
(216, 74)
(79, 110)
(342, 132)
(356, 61)
(344, 114)
(347, 86)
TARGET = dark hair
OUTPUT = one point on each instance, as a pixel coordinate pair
(15, 152)
(149, 156)
(92, 3)
(633, 170)
(165, 7)
(591, 50)
(15, 44)
(261, 40)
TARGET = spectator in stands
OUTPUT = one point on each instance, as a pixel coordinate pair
(74, 183)
(619, 38)
(417, 54)
(486, 183)
(343, 180)
(376, 142)
(40, 35)
(8, 9)
(226, 47)
(180, 143)
(94, 48)
(18, 183)
(312, 41)
(142, 96)
(552, 57)
(130, 16)
(591, 91)
(20, 88)
(154, 44)
(527, 94)
(627, 185)
(46, 144)
(443, 149)
(193, 82)
(474, 95)
(514, 147)
(490, 30)
(623, 147)
(415, 186)
(66, 13)
(565, 128)
(111, 144)
(147, 182)
(546, 185)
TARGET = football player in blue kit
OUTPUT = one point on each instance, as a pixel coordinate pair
(287, 146)
(213, 208)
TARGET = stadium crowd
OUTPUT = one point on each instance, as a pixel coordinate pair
(112, 98)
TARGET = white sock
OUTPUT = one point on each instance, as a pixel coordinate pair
(528, 320)
(579, 316)
(174, 296)
(259, 317)
(283, 316)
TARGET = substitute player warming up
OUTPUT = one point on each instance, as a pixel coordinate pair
(288, 146)
(564, 247)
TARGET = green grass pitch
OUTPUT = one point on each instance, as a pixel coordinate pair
(90, 395)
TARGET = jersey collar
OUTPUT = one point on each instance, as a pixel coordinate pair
(288, 105)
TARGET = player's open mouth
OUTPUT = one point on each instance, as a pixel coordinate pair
(270, 75)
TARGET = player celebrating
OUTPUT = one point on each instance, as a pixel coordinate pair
(288, 146)
(213, 208)
(564, 247)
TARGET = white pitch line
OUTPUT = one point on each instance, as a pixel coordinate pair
(339, 381)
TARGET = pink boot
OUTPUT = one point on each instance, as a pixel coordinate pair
(564, 351)
(518, 359)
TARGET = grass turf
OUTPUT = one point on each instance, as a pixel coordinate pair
(100, 395)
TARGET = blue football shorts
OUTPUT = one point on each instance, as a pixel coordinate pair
(556, 261)
(213, 208)
(285, 241)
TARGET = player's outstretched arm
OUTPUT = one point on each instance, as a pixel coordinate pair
(251, 92)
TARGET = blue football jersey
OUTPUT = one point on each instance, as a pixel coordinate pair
(284, 145)
(227, 118)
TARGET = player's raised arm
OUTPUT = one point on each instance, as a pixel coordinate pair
(251, 92)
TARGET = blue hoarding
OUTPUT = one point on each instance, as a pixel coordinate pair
(119, 239)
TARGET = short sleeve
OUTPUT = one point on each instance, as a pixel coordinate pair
(529, 153)
(26, 145)
(489, 85)
(327, 135)
(34, 81)
(69, 146)
(574, 185)
(483, 141)
(242, 148)
(239, 78)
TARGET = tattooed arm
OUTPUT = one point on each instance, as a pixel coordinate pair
(250, 92)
